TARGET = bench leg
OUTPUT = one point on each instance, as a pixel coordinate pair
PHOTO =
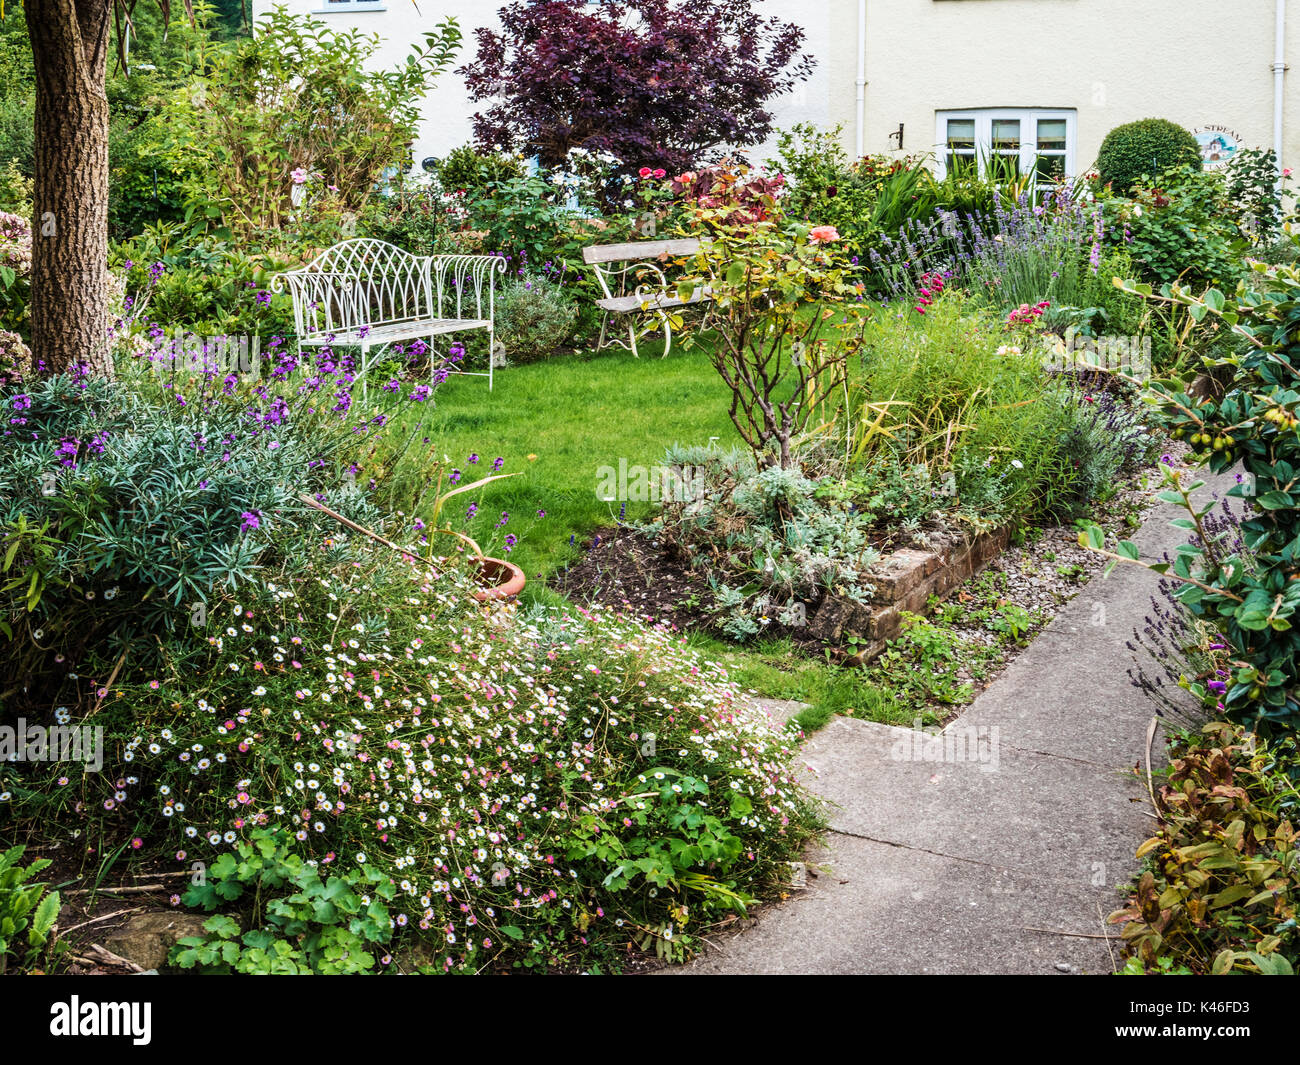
(631, 332)
(604, 324)
(668, 335)
(492, 352)
(365, 360)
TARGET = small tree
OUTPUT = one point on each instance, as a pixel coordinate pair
(261, 126)
(785, 310)
(659, 81)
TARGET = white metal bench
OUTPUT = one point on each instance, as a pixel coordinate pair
(636, 259)
(369, 294)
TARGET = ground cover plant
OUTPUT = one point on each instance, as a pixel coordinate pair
(1223, 878)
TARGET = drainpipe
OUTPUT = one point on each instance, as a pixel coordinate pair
(862, 77)
(1279, 78)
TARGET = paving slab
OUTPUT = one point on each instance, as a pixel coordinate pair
(1029, 812)
(878, 909)
(977, 856)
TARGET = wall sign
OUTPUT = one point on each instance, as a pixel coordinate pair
(1218, 145)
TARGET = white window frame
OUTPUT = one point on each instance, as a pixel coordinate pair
(329, 7)
(984, 117)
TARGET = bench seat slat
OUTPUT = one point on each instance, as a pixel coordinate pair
(651, 301)
(391, 331)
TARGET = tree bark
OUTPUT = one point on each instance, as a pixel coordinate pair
(69, 303)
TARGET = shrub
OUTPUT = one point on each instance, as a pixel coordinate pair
(566, 74)
(15, 270)
(534, 317)
(1182, 228)
(1148, 147)
(771, 541)
(946, 392)
(1251, 602)
(131, 508)
(465, 169)
(1255, 193)
(257, 121)
(776, 289)
(529, 793)
(1223, 885)
(824, 188)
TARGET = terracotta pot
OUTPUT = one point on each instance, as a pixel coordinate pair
(501, 579)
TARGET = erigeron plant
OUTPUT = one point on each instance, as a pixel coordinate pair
(564, 781)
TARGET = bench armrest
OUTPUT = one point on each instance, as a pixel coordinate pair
(468, 280)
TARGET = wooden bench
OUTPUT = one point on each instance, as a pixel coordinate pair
(636, 260)
(370, 294)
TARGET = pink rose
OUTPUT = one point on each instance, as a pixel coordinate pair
(660, 172)
(823, 234)
(645, 171)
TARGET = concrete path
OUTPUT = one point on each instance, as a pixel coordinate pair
(1023, 815)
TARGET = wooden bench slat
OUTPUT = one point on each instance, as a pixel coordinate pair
(626, 304)
(638, 249)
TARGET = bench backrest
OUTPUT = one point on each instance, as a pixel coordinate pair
(637, 259)
(637, 250)
(365, 282)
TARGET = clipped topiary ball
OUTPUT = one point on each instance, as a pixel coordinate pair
(1148, 146)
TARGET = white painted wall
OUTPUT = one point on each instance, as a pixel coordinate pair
(1197, 62)
(448, 109)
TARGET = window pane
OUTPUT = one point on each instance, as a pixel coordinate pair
(961, 163)
(1050, 167)
(1006, 134)
(961, 133)
(1051, 134)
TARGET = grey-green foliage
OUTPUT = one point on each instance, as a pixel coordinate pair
(534, 317)
(124, 519)
(772, 546)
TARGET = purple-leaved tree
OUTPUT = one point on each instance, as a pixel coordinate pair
(654, 82)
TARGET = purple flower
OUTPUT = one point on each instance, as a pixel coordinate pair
(497, 463)
(251, 520)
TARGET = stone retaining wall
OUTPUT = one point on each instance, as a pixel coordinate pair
(904, 581)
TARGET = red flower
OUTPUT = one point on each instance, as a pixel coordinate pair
(645, 171)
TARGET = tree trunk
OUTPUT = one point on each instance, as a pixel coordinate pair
(69, 305)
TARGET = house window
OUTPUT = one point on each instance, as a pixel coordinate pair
(1007, 142)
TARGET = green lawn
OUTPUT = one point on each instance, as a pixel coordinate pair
(576, 413)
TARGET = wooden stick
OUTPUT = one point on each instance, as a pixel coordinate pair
(1073, 935)
(140, 890)
(117, 959)
(363, 530)
(96, 920)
